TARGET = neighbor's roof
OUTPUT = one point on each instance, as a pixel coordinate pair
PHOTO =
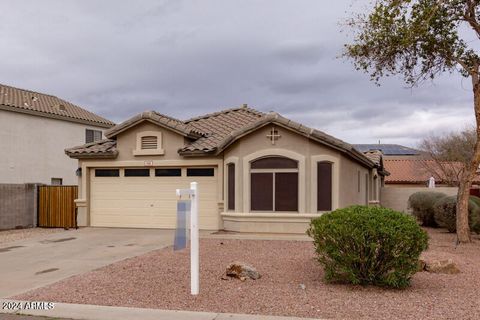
(40, 104)
(408, 171)
(388, 149)
(213, 133)
(414, 171)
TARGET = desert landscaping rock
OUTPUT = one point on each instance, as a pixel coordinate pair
(242, 271)
(442, 266)
(161, 279)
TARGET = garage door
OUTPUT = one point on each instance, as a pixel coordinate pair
(145, 197)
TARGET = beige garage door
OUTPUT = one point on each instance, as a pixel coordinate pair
(145, 197)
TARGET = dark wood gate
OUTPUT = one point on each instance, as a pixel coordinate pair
(56, 206)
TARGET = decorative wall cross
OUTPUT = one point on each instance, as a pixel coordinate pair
(273, 135)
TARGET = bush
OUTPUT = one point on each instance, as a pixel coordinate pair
(421, 204)
(368, 245)
(475, 200)
(445, 211)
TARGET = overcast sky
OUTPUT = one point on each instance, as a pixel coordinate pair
(186, 58)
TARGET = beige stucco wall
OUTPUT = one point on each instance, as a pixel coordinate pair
(293, 145)
(33, 148)
(126, 144)
(256, 144)
(127, 141)
(396, 197)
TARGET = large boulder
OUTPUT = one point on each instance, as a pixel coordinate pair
(242, 271)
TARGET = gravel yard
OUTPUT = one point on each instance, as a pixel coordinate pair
(160, 279)
(20, 234)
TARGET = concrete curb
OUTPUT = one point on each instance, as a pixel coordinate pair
(92, 312)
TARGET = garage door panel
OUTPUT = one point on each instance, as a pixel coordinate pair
(148, 202)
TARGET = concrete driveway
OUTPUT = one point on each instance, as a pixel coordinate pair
(36, 262)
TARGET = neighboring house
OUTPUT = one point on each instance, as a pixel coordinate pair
(35, 128)
(411, 173)
(256, 171)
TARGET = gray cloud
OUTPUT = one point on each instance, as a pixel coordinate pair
(185, 58)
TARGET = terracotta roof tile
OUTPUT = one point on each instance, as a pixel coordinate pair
(412, 171)
(158, 118)
(217, 126)
(21, 100)
(100, 149)
(214, 132)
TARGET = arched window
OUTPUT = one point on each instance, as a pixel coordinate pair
(274, 184)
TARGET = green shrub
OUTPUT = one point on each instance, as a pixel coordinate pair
(421, 204)
(475, 200)
(445, 211)
(368, 245)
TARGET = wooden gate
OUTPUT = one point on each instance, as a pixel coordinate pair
(56, 206)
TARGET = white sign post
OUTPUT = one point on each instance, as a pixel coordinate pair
(194, 237)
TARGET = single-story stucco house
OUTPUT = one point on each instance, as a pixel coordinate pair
(257, 172)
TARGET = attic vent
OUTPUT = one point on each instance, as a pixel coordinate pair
(149, 142)
(61, 107)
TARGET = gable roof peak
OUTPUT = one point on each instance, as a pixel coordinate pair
(243, 108)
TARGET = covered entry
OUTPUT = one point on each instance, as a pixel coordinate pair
(145, 197)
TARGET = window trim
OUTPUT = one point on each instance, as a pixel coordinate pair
(302, 196)
(138, 151)
(335, 181)
(274, 172)
(331, 185)
(56, 179)
(229, 178)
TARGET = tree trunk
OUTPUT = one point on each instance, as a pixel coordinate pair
(463, 229)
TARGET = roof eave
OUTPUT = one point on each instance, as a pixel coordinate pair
(100, 155)
(196, 153)
(56, 116)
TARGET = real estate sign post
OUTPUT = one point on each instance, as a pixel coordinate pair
(194, 237)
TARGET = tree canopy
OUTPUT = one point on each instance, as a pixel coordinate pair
(418, 39)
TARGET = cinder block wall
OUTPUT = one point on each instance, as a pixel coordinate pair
(396, 198)
(18, 206)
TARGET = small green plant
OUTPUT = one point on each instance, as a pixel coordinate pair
(421, 205)
(368, 245)
(445, 212)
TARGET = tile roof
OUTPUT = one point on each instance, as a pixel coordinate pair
(100, 149)
(413, 171)
(213, 133)
(20, 100)
(159, 119)
(375, 156)
(219, 125)
(388, 149)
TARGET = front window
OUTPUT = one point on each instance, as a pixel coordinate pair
(274, 184)
(324, 186)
